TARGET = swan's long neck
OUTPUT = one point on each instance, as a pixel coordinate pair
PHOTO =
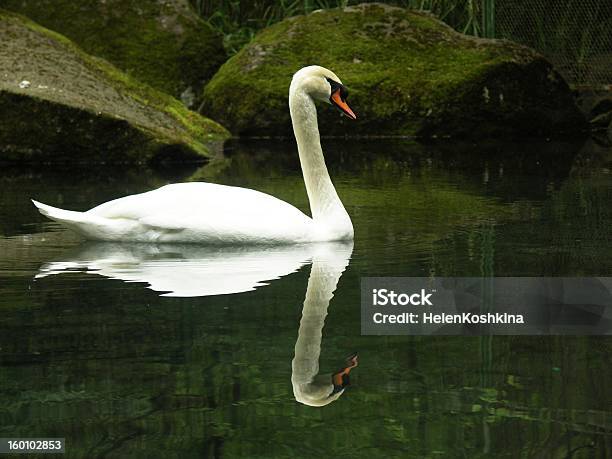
(325, 204)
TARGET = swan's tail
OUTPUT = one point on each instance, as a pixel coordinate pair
(90, 226)
(59, 215)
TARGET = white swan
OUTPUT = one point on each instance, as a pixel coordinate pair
(217, 214)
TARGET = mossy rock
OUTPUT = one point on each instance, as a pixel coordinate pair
(163, 43)
(407, 73)
(58, 103)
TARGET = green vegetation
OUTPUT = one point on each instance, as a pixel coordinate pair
(426, 80)
(239, 21)
(576, 36)
(164, 44)
(84, 107)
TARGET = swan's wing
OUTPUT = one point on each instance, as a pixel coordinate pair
(207, 208)
(186, 198)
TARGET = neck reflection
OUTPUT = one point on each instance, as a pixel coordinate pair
(310, 387)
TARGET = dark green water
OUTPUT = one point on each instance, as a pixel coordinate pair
(120, 371)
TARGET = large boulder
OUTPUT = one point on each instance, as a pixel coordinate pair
(58, 103)
(407, 74)
(161, 42)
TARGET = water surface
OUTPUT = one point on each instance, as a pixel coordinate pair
(172, 351)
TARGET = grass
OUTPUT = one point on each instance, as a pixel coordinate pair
(238, 21)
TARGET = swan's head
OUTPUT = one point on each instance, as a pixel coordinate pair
(325, 389)
(324, 85)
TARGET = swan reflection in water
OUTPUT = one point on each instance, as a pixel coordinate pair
(192, 271)
(309, 387)
(184, 270)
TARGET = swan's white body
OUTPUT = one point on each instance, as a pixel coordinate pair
(217, 214)
(191, 212)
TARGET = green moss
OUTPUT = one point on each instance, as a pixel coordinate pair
(78, 104)
(163, 44)
(407, 74)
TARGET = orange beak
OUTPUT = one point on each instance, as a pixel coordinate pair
(342, 105)
(339, 377)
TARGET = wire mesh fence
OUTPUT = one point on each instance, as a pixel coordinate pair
(576, 36)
